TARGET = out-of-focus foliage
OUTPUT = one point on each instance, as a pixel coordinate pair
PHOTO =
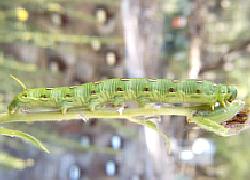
(9, 161)
(50, 39)
(10, 63)
(240, 75)
(232, 157)
(232, 152)
(55, 140)
(24, 136)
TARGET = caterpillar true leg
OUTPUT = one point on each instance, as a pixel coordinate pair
(212, 106)
(213, 120)
(223, 104)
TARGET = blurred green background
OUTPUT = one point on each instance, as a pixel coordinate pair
(50, 43)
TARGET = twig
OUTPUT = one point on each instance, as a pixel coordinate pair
(110, 114)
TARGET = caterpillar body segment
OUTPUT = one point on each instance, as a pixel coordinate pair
(95, 95)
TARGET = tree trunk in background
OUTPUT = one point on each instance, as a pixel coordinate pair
(134, 46)
(196, 29)
(195, 60)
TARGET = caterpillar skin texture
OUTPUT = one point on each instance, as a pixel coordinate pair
(95, 95)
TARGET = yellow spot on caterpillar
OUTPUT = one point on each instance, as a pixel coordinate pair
(152, 80)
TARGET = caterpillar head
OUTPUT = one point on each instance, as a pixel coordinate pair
(13, 106)
(233, 93)
(19, 99)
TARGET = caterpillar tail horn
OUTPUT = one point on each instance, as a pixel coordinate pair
(19, 81)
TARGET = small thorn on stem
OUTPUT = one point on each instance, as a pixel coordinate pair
(84, 118)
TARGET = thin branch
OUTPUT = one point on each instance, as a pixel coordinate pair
(221, 61)
(110, 114)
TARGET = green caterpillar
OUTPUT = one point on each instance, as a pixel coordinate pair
(95, 95)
